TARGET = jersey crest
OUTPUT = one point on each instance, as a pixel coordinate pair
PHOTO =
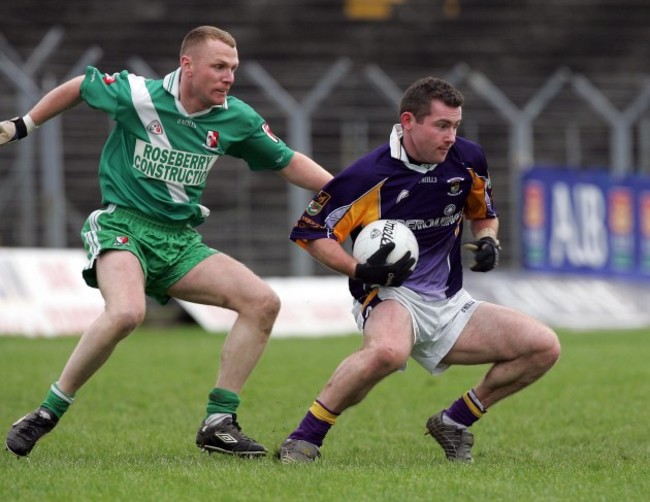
(267, 129)
(109, 79)
(155, 127)
(212, 139)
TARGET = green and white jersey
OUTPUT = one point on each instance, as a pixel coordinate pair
(158, 156)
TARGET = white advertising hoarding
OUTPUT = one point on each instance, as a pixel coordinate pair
(42, 293)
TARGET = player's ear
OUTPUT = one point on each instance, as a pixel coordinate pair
(186, 65)
(407, 119)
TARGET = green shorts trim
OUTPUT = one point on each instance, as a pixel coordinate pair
(166, 250)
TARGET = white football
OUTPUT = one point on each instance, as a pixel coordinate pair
(381, 232)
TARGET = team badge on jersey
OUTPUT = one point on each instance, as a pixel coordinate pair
(212, 140)
(267, 129)
(316, 205)
(121, 240)
(109, 79)
(155, 127)
(454, 186)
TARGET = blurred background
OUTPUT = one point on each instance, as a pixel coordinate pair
(557, 92)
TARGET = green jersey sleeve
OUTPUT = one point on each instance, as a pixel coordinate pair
(105, 92)
(259, 147)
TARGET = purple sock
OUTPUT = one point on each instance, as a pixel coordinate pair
(460, 410)
(311, 430)
(315, 425)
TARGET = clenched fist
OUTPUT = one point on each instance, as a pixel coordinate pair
(486, 254)
(12, 130)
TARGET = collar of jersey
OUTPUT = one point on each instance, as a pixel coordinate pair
(398, 152)
(171, 83)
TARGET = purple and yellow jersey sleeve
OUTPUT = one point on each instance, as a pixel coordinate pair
(433, 201)
(479, 204)
(345, 204)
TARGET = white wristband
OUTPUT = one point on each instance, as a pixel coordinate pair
(29, 123)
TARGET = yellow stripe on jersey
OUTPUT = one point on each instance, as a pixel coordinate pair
(362, 211)
(476, 206)
(319, 411)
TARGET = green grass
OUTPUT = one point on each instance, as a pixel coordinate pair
(580, 433)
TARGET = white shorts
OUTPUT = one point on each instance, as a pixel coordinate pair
(436, 324)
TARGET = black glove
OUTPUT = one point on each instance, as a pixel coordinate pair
(486, 254)
(12, 130)
(377, 271)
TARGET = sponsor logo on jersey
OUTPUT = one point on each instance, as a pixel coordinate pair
(443, 221)
(403, 195)
(267, 130)
(429, 179)
(176, 166)
(187, 123)
(317, 203)
(155, 127)
(109, 79)
(306, 222)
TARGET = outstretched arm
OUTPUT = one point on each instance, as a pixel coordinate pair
(305, 173)
(58, 100)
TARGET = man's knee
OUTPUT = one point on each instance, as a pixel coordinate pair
(549, 346)
(267, 305)
(126, 319)
(542, 349)
(387, 359)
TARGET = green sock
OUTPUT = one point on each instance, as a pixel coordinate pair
(222, 401)
(57, 401)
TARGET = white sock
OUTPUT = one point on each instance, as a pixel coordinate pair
(449, 421)
(216, 418)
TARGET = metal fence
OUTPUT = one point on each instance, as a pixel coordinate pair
(566, 119)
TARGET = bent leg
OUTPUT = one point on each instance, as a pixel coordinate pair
(121, 282)
(224, 282)
(521, 348)
(387, 345)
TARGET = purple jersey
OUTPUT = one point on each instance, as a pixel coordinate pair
(432, 200)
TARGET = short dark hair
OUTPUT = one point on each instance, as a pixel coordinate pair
(203, 33)
(417, 98)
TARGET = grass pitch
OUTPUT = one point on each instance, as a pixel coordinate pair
(580, 433)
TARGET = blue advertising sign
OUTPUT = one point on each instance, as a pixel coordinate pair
(586, 222)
